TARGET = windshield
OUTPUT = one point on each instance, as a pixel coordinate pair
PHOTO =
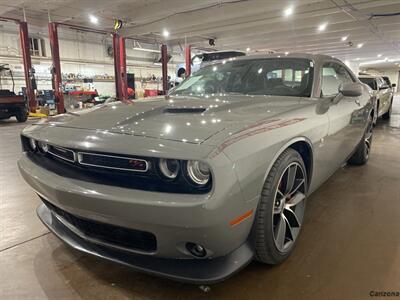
(272, 76)
(370, 81)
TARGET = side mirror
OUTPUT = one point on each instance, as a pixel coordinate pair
(393, 85)
(352, 89)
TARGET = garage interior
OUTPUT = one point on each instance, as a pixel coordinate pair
(349, 245)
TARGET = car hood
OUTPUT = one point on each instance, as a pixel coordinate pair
(185, 119)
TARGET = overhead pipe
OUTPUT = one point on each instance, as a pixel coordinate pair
(10, 19)
(83, 28)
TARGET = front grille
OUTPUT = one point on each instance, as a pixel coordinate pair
(108, 234)
(62, 153)
(111, 169)
(113, 162)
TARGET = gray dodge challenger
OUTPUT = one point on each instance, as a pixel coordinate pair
(196, 184)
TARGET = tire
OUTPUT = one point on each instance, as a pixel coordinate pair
(22, 116)
(272, 213)
(387, 114)
(361, 155)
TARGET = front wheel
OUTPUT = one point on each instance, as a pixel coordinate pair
(361, 155)
(281, 209)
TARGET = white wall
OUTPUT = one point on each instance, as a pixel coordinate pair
(81, 53)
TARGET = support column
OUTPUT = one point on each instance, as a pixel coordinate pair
(164, 65)
(29, 72)
(121, 82)
(56, 68)
(188, 61)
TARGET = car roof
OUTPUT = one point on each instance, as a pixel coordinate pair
(221, 51)
(368, 76)
(314, 57)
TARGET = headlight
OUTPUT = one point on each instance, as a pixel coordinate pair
(199, 173)
(169, 168)
(32, 144)
(43, 147)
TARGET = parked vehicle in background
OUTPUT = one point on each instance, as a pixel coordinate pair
(200, 60)
(383, 94)
(12, 105)
(392, 85)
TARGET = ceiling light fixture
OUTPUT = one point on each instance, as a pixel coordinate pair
(344, 38)
(379, 55)
(288, 11)
(93, 19)
(248, 49)
(322, 27)
(165, 33)
(360, 45)
(286, 53)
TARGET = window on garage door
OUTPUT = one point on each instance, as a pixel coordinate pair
(333, 76)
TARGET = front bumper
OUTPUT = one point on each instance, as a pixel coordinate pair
(174, 219)
(198, 271)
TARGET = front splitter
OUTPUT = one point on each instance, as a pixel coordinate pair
(196, 271)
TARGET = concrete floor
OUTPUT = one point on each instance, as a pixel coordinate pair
(349, 245)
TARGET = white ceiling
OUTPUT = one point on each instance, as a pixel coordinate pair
(239, 24)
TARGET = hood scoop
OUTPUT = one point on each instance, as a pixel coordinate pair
(184, 110)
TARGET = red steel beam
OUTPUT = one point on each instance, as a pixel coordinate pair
(164, 65)
(188, 62)
(56, 68)
(121, 82)
(29, 72)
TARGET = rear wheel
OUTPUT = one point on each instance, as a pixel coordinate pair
(22, 116)
(361, 156)
(281, 209)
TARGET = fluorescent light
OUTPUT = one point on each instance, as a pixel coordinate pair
(248, 49)
(93, 19)
(322, 27)
(165, 33)
(288, 11)
(344, 38)
(286, 53)
(379, 55)
(360, 45)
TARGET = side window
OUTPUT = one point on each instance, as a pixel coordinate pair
(333, 76)
(375, 84)
(382, 83)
